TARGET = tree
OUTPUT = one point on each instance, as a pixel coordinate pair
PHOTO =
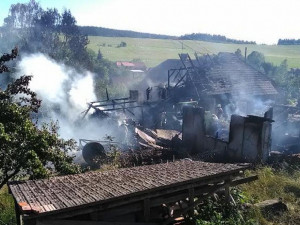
(7, 57)
(22, 15)
(24, 147)
(56, 35)
(122, 44)
(100, 55)
(256, 59)
(46, 31)
(68, 24)
(238, 53)
(268, 67)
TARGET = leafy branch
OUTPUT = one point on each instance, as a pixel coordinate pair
(7, 57)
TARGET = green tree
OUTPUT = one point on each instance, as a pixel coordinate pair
(24, 147)
(22, 15)
(268, 67)
(56, 35)
(238, 53)
(256, 59)
(47, 31)
(7, 57)
(122, 44)
(100, 55)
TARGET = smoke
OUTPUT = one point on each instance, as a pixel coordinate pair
(64, 93)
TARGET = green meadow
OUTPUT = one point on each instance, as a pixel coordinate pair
(154, 51)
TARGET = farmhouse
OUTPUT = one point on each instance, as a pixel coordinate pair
(135, 66)
(215, 79)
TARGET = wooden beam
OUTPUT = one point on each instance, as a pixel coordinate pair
(191, 199)
(227, 193)
(84, 222)
(194, 204)
(121, 210)
(18, 215)
(243, 180)
(146, 209)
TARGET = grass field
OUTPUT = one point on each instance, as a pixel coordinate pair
(154, 51)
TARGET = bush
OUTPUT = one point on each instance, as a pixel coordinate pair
(214, 212)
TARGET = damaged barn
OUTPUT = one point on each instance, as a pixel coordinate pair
(200, 102)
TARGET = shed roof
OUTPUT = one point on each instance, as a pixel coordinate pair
(81, 190)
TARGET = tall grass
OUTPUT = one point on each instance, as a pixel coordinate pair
(7, 208)
(276, 184)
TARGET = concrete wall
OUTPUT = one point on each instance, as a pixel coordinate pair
(249, 137)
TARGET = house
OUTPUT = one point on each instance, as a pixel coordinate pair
(215, 79)
(133, 66)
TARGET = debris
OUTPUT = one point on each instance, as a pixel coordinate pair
(272, 207)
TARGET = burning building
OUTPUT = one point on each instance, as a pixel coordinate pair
(224, 79)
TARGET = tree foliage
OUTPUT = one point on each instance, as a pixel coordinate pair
(22, 15)
(47, 31)
(213, 38)
(7, 57)
(55, 34)
(256, 59)
(287, 80)
(106, 32)
(238, 53)
(24, 147)
(122, 44)
(288, 42)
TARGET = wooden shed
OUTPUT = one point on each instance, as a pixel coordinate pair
(122, 196)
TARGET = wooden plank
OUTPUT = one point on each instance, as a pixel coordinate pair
(121, 210)
(243, 180)
(146, 209)
(191, 199)
(84, 222)
(227, 193)
(200, 199)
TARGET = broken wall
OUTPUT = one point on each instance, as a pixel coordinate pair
(249, 137)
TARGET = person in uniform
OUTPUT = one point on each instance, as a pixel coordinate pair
(219, 111)
(148, 91)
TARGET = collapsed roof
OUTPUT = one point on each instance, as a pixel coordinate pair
(225, 73)
(232, 75)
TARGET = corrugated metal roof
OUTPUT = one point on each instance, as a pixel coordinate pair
(57, 193)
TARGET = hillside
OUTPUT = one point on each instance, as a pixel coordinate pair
(154, 51)
(108, 32)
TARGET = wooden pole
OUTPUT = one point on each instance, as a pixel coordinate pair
(146, 209)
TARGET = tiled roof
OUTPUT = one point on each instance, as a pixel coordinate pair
(232, 75)
(66, 192)
(131, 64)
(227, 74)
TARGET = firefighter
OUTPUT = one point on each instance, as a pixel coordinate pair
(219, 111)
(148, 91)
(164, 93)
(163, 120)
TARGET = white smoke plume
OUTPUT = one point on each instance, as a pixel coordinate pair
(64, 93)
